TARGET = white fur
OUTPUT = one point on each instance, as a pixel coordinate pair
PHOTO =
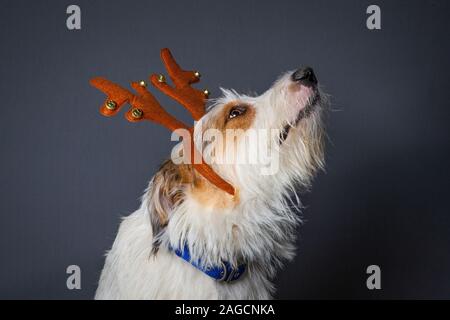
(259, 230)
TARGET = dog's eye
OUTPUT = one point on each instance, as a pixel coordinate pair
(236, 111)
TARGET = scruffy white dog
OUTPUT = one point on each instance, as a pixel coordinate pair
(191, 240)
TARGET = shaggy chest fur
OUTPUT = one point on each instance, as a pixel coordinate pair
(131, 272)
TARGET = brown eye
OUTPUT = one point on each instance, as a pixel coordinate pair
(237, 111)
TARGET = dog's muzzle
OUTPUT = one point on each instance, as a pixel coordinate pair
(306, 77)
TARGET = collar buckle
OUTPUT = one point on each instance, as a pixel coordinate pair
(229, 273)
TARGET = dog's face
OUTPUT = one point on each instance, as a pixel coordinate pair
(266, 143)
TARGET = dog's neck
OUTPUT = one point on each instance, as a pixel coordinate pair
(257, 231)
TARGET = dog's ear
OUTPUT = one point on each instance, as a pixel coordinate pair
(165, 193)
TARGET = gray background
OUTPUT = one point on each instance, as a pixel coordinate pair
(68, 174)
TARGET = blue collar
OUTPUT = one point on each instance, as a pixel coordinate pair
(223, 272)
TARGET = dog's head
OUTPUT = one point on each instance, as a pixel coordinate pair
(263, 145)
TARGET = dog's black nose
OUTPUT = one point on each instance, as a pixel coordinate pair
(305, 76)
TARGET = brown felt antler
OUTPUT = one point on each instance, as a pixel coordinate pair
(145, 106)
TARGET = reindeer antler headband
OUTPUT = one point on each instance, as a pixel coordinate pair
(145, 106)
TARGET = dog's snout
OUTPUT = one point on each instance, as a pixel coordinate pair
(305, 76)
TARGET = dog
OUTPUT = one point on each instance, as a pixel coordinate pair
(191, 240)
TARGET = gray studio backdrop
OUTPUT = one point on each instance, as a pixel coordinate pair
(68, 174)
